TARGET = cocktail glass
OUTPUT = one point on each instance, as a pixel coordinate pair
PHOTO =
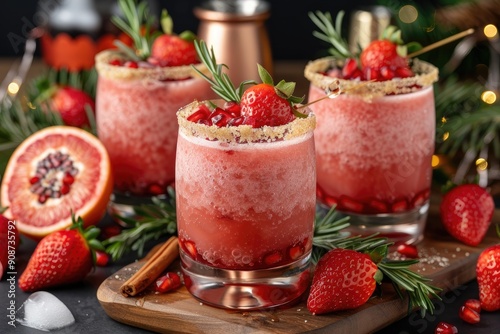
(374, 145)
(136, 121)
(245, 211)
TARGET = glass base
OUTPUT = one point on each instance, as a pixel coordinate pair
(246, 289)
(407, 227)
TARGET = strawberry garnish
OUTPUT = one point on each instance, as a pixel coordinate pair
(170, 49)
(61, 258)
(264, 104)
(488, 278)
(466, 212)
(343, 279)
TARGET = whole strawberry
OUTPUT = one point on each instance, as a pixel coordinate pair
(488, 278)
(61, 258)
(466, 212)
(70, 103)
(343, 279)
(173, 50)
(9, 240)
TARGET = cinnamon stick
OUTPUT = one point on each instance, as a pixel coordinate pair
(152, 269)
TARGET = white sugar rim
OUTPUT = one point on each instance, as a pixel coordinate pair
(244, 133)
(104, 68)
(425, 75)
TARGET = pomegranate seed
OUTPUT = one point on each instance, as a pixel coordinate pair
(202, 113)
(371, 74)
(233, 108)
(445, 328)
(273, 258)
(350, 67)
(110, 231)
(295, 252)
(42, 199)
(236, 121)
(473, 304)
(206, 122)
(34, 180)
(399, 206)
(101, 258)
(408, 250)
(377, 206)
(65, 189)
(468, 315)
(220, 117)
(331, 201)
(190, 248)
(115, 62)
(349, 204)
(131, 64)
(155, 189)
(404, 72)
(168, 282)
(68, 179)
(386, 73)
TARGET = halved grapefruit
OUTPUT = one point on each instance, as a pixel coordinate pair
(55, 172)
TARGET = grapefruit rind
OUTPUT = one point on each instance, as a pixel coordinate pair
(33, 219)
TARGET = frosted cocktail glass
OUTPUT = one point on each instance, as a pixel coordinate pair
(245, 211)
(374, 145)
(136, 121)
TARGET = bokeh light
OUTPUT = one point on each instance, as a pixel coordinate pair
(490, 31)
(435, 161)
(481, 164)
(489, 97)
(408, 14)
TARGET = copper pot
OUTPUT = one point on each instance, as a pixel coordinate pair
(237, 33)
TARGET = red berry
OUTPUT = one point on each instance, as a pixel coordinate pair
(488, 278)
(233, 108)
(220, 117)
(468, 315)
(190, 248)
(350, 69)
(377, 206)
(71, 103)
(101, 258)
(466, 213)
(131, 64)
(115, 62)
(399, 206)
(296, 251)
(348, 204)
(409, 251)
(473, 304)
(172, 50)
(343, 279)
(261, 105)
(168, 282)
(445, 328)
(202, 113)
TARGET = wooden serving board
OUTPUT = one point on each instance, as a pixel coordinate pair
(448, 262)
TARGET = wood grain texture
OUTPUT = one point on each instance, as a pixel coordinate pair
(448, 262)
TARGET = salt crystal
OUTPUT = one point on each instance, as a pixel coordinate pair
(44, 311)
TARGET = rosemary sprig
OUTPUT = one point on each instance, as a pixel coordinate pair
(138, 23)
(154, 221)
(220, 82)
(332, 34)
